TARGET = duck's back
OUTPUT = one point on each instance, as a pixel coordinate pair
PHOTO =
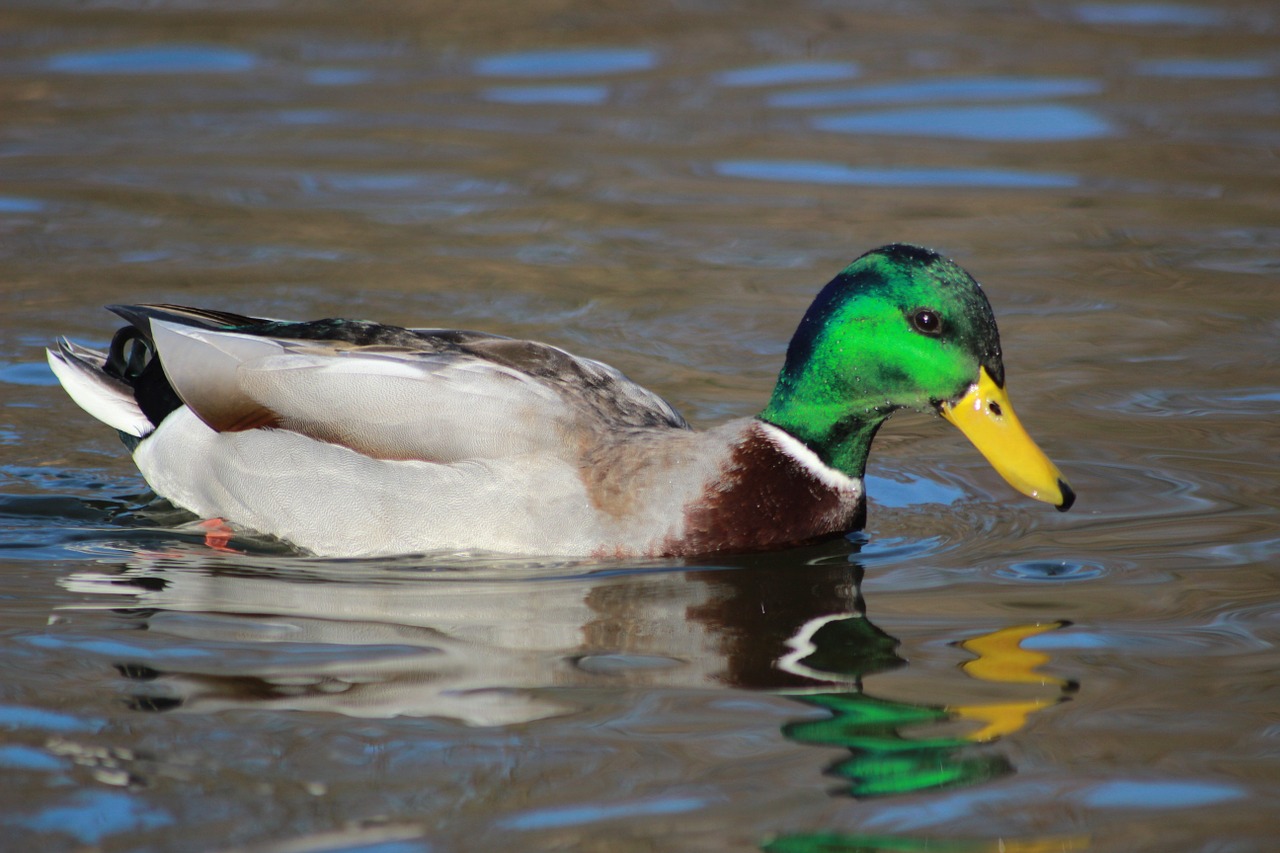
(393, 393)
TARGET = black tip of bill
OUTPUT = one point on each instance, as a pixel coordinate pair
(1068, 496)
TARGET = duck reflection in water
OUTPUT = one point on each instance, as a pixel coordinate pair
(508, 646)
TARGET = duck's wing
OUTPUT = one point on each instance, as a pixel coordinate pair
(392, 393)
(588, 384)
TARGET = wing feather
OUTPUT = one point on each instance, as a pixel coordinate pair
(436, 396)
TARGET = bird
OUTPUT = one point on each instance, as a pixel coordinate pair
(350, 438)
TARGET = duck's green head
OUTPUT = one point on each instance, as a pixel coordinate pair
(903, 327)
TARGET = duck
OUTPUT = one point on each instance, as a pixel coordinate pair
(350, 438)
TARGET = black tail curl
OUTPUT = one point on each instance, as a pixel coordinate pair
(133, 360)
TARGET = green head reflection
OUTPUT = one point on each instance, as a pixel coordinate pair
(890, 748)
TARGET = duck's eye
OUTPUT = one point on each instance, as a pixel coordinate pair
(926, 321)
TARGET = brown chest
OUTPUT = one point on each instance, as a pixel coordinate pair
(765, 499)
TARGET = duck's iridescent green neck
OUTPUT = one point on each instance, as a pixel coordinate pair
(838, 429)
(842, 443)
(864, 349)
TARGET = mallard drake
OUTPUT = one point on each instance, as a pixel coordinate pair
(351, 438)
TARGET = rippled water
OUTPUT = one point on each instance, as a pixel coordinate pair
(663, 187)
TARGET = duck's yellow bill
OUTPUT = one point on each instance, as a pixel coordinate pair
(986, 418)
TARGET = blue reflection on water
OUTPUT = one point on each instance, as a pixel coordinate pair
(955, 806)
(306, 117)
(18, 717)
(1176, 14)
(947, 89)
(112, 648)
(15, 204)
(1254, 396)
(570, 62)
(1025, 123)
(155, 59)
(817, 172)
(338, 76)
(576, 815)
(588, 95)
(1130, 794)
(1052, 570)
(27, 373)
(1070, 640)
(908, 490)
(90, 816)
(793, 72)
(1207, 69)
(27, 758)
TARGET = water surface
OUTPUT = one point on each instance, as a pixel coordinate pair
(664, 189)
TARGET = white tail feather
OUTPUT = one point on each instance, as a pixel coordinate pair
(107, 399)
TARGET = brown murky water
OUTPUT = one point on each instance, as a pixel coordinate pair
(664, 187)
